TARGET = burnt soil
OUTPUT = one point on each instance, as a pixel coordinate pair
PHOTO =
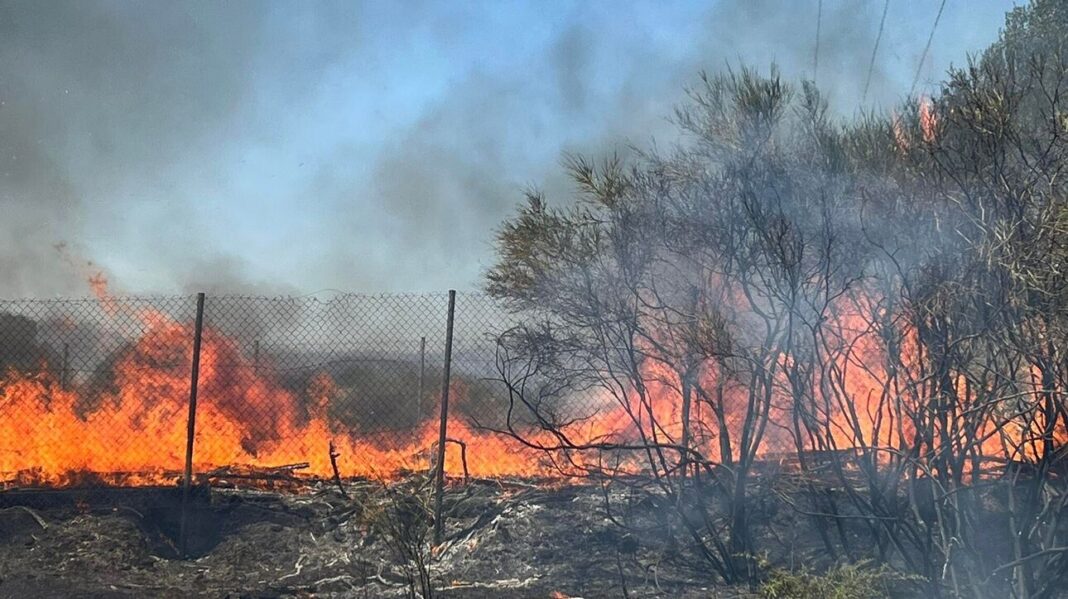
(511, 539)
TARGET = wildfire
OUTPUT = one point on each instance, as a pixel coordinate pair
(928, 120)
(928, 126)
(132, 430)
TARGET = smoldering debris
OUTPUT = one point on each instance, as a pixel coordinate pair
(501, 538)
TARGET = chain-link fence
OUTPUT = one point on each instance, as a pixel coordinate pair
(93, 391)
(97, 391)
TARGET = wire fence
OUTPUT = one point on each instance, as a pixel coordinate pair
(97, 391)
(98, 394)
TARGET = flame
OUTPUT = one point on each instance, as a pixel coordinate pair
(132, 430)
(901, 139)
(52, 435)
(928, 120)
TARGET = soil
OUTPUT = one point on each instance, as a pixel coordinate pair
(503, 539)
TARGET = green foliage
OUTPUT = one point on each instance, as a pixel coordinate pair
(849, 581)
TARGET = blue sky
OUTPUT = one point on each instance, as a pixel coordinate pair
(285, 147)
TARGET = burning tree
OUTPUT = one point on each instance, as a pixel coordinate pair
(883, 299)
(688, 287)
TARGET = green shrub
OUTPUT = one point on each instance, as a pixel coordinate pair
(850, 581)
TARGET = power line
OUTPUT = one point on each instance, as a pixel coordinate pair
(816, 54)
(871, 65)
(926, 48)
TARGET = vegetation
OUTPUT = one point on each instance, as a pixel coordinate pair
(892, 287)
(850, 581)
(404, 521)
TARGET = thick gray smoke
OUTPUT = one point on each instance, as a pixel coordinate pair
(213, 146)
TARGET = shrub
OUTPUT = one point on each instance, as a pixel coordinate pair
(850, 581)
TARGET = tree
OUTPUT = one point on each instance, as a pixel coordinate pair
(885, 298)
(681, 287)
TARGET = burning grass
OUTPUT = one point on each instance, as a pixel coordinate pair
(128, 425)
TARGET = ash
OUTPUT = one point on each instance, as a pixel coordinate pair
(501, 539)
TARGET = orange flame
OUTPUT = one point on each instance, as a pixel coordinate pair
(928, 120)
(133, 429)
(928, 125)
(901, 139)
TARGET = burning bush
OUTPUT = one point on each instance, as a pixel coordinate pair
(883, 299)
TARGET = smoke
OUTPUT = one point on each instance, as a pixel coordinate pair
(276, 148)
(111, 114)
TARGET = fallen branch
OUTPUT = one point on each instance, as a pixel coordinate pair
(40, 521)
(463, 456)
(299, 566)
(507, 583)
(289, 467)
(389, 583)
(285, 472)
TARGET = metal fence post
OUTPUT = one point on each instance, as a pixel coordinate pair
(191, 428)
(422, 377)
(439, 475)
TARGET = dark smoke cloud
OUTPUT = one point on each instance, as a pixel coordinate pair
(125, 128)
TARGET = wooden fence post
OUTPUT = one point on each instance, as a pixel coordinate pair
(439, 474)
(191, 425)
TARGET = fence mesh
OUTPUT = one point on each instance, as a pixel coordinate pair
(92, 388)
(97, 391)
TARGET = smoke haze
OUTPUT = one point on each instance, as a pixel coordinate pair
(288, 148)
